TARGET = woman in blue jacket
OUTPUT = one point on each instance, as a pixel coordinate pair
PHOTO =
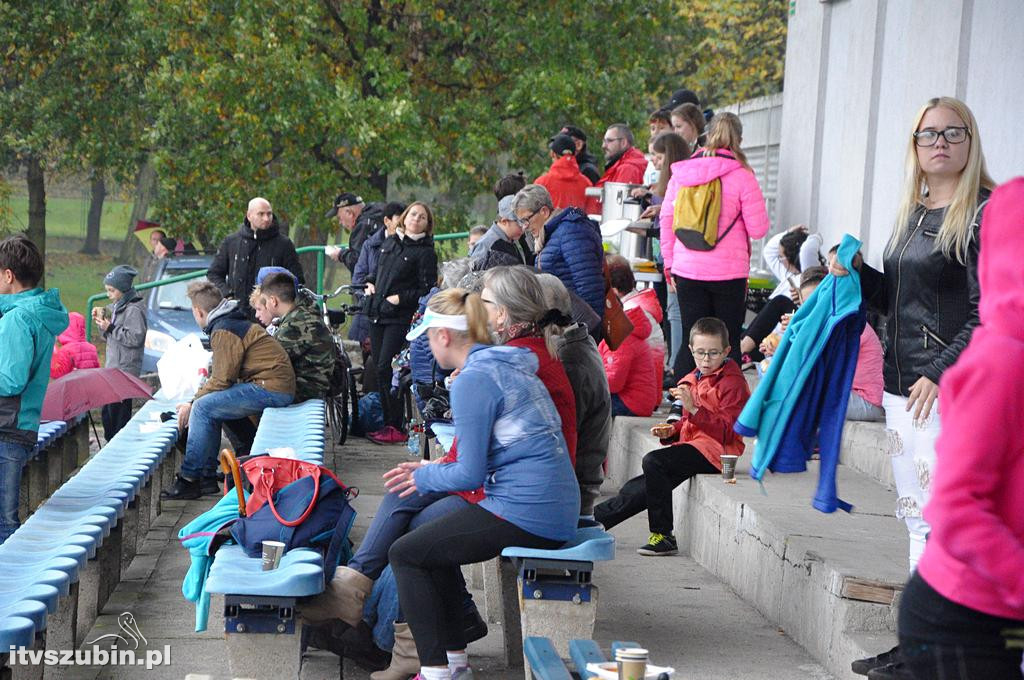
(511, 443)
(568, 244)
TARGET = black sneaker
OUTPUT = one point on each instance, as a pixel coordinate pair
(210, 486)
(659, 545)
(892, 671)
(675, 413)
(864, 666)
(183, 490)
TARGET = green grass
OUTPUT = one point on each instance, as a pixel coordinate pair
(65, 217)
(77, 276)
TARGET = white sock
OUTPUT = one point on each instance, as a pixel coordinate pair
(457, 660)
(431, 673)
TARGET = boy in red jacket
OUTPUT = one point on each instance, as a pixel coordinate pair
(713, 396)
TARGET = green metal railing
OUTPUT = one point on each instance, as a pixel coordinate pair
(320, 260)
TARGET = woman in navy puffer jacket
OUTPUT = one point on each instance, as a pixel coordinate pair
(569, 243)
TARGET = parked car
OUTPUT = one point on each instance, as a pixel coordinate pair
(168, 310)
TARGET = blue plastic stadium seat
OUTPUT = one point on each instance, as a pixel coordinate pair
(591, 544)
(300, 574)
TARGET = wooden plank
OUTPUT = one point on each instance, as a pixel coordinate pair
(864, 590)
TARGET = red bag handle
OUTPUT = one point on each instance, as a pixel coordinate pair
(266, 481)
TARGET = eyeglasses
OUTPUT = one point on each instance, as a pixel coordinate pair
(523, 221)
(702, 354)
(953, 135)
(609, 140)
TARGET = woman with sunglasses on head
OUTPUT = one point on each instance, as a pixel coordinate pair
(567, 242)
(928, 288)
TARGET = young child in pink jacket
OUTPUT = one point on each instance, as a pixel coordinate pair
(714, 282)
(962, 613)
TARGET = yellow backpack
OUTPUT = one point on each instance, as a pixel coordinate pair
(696, 213)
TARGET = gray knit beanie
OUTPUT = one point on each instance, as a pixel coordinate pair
(120, 277)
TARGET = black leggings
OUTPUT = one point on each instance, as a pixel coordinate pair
(386, 340)
(766, 320)
(427, 562)
(664, 470)
(725, 300)
(115, 416)
(942, 639)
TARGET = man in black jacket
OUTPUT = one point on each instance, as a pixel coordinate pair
(257, 243)
(360, 219)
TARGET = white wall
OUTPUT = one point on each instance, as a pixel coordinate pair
(856, 73)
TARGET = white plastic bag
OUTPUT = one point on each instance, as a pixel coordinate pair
(183, 368)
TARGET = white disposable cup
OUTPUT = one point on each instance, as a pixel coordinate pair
(272, 552)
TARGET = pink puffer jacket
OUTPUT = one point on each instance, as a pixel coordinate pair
(83, 353)
(741, 195)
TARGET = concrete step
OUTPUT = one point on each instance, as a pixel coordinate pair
(827, 580)
(865, 449)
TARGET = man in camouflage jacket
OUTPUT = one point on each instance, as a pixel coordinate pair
(302, 333)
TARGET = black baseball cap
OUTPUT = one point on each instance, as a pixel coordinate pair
(343, 200)
(574, 132)
(683, 96)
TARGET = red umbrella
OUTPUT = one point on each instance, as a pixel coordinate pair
(85, 389)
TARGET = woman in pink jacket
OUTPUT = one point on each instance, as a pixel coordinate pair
(962, 613)
(714, 282)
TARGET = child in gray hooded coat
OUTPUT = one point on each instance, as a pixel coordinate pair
(124, 326)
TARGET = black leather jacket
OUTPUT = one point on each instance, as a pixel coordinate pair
(931, 302)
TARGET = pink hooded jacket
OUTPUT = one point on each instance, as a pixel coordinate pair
(741, 195)
(83, 354)
(975, 552)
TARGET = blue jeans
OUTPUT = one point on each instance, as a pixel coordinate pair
(619, 407)
(12, 459)
(391, 521)
(208, 415)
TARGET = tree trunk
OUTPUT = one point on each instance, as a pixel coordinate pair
(145, 188)
(36, 231)
(379, 181)
(92, 228)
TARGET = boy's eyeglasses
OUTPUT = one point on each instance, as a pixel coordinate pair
(702, 354)
(953, 135)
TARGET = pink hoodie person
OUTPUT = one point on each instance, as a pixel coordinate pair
(975, 552)
(72, 340)
(741, 195)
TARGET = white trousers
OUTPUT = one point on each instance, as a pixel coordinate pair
(912, 449)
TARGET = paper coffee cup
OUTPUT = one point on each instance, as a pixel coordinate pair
(272, 552)
(632, 663)
(729, 468)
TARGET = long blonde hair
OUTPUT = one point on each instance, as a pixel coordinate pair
(725, 131)
(955, 234)
(458, 301)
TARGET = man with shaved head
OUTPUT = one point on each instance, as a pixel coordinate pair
(257, 243)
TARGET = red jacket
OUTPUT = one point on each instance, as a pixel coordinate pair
(552, 374)
(630, 368)
(74, 348)
(629, 168)
(719, 396)
(647, 300)
(566, 184)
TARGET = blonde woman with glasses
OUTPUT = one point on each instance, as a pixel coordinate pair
(928, 288)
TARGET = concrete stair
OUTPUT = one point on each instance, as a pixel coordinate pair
(831, 581)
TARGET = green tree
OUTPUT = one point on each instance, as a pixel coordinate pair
(732, 49)
(293, 99)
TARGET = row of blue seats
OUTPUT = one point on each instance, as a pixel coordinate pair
(49, 432)
(299, 427)
(47, 554)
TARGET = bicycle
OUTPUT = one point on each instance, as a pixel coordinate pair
(343, 390)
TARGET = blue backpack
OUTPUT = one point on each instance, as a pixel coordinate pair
(325, 529)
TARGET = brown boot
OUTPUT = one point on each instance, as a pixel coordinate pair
(342, 599)
(404, 661)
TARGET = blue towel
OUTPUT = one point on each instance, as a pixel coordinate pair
(196, 537)
(807, 385)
